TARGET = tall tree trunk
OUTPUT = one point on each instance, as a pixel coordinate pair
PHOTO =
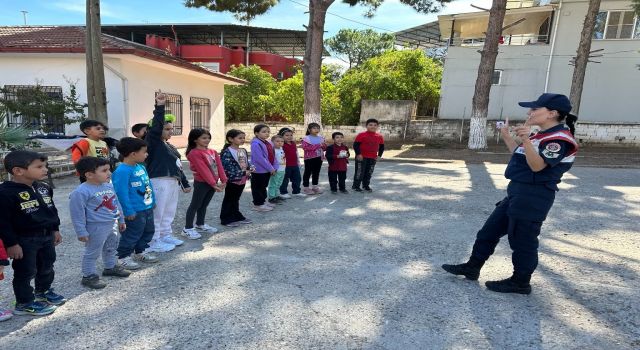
(583, 54)
(96, 90)
(312, 66)
(480, 104)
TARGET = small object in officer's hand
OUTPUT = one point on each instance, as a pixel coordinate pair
(499, 124)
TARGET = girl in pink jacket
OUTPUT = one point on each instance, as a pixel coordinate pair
(208, 178)
(313, 145)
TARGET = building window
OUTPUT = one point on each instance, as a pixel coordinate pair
(33, 117)
(617, 25)
(174, 106)
(496, 78)
(200, 112)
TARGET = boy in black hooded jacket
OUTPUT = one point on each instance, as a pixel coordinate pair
(29, 228)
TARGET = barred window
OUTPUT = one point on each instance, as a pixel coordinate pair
(200, 112)
(33, 114)
(174, 106)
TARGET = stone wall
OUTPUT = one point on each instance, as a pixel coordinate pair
(387, 110)
(608, 133)
(625, 134)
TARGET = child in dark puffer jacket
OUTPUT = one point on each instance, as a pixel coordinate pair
(237, 167)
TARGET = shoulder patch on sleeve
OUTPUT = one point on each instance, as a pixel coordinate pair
(553, 147)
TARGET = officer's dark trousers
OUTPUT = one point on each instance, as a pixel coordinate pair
(523, 239)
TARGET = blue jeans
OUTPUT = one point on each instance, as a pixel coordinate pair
(38, 256)
(291, 173)
(138, 234)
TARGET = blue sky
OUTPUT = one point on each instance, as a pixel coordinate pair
(392, 15)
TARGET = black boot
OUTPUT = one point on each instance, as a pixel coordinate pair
(470, 269)
(510, 285)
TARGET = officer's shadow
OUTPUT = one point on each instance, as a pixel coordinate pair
(502, 320)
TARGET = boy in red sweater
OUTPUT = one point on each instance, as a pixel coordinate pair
(369, 146)
(338, 156)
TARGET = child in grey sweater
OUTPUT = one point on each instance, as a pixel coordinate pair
(97, 217)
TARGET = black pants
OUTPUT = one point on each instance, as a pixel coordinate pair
(230, 209)
(291, 173)
(259, 183)
(364, 171)
(202, 195)
(523, 239)
(38, 256)
(337, 179)
(311, 169)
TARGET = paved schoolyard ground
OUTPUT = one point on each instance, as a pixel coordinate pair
(361, 271)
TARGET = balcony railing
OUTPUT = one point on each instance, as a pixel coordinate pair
(518, 40)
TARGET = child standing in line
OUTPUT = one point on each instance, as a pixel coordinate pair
(29, 228)
(369, 146)
(235, 162)
(338, 157)
(165, 170)
(276, 180)
(292, 169)
(139, 130)
(93, 145)
(207, 171)
(313, 145)
(135, 194)
(97, 219)
(263, 158)
(4, 261)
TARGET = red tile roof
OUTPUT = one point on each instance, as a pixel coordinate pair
(50, 39)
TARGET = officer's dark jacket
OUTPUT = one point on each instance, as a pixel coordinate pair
(26, 210)
(556, 146)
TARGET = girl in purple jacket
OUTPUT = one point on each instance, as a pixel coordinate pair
(264, 160)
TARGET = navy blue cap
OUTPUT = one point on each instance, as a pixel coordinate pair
(554, 102)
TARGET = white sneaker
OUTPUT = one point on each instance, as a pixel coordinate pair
(271, 205)
(300, 194)
(191, 233)
(206, 228)
(285, 196)
(128, 263)
(171, 239)
(263, 207)
(145, 257)
(157, 246)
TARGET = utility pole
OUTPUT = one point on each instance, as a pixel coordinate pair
(96, 90)
(24, 16)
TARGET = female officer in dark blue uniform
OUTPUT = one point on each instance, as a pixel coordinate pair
(535, 169)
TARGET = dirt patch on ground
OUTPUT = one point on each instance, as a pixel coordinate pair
(592, 156)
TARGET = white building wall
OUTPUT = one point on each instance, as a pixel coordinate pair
(59, 70)
(523, 75)
(143, 78)
(610, 89)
